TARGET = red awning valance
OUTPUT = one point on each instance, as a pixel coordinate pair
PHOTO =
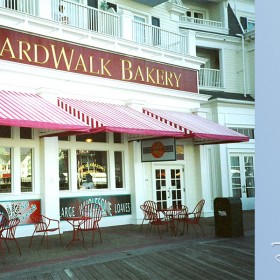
(31, 110)
(116, 118)
(202, 130)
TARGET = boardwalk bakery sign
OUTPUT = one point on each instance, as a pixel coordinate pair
(44, 52)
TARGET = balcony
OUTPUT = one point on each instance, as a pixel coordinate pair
(97, 21)
(202, 24)
(209, 78)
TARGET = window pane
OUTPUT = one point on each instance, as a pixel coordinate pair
(180, 152)
(93, 137)
(5, 131)
(5, 170)
(63, 138)
(26, 133)
(92, 169)
(117, 137)
(118, 170)
(63, 170)
(26, 169)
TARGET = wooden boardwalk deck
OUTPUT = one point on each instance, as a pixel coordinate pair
(212, 259)
(126, 253)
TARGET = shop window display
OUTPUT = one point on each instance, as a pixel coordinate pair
(92, 169)
(26, 169)
(63, 170)
(5, 170)
(119, 169)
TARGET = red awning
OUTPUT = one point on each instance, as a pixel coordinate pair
(202, 130)
(104, 117)
(31, 110)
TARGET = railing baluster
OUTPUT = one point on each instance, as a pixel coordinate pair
(210, 78)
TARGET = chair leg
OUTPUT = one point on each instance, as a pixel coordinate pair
(60, 237)
(31, 240)
(7, 246)
(142, 225)
(83, 238)
(99, 233)
(202, 229)
(18, 247)
(2, 251)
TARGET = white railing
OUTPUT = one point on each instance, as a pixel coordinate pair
(24, 6)
(160, 38)
(210, 78)
(96, 20)
(85, 17)
(204, 22)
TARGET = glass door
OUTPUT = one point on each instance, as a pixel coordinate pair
(243, 179)
(168, 185)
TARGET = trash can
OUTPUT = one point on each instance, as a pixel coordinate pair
(228, 217)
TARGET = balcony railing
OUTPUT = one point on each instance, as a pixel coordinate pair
(160, 38)
(200, 21)
(203, 24)
(96, 20)
(209, 78)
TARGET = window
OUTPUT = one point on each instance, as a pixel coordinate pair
(63, 138)
(139, 29)
(5, 170)
(119, 169)
(63, 170)
(250, 132)
(26, 169)
(117, 138)
(196, 15)
(93, 137)
(92, 169)
(5, 131)
(180, 152)
(247, 24)
(26, 133)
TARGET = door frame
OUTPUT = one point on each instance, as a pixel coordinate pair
(247, 203)
(169, 166)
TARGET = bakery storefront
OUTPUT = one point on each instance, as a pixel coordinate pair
(80, 124)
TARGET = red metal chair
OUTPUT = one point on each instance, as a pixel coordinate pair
(8, 232)
(3, 221)
(192, 218)
(91, 215)
(149, 204)
(156, 218)
(44, 225)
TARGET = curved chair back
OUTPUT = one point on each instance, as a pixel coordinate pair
(92, 214)
(3, 221)
(197, 211)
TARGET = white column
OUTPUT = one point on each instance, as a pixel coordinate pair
(49, 177)
(46, 10)
(191, 42)
(127, 24)
(136, 180)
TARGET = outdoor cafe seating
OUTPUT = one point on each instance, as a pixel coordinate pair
(192, 218)
(171, 217)
(8, 233)
(44, 225)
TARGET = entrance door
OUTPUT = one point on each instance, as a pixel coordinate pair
(169, 186)
(243, 179)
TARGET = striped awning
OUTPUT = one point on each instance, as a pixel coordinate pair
(202, 130)
(105, 117)
(31, 110)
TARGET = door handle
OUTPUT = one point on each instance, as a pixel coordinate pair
(168, 193)
(244, 189)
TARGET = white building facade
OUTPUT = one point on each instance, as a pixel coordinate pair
(124, 101)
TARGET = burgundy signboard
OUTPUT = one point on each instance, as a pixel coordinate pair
(29, 49)
(112, 205)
